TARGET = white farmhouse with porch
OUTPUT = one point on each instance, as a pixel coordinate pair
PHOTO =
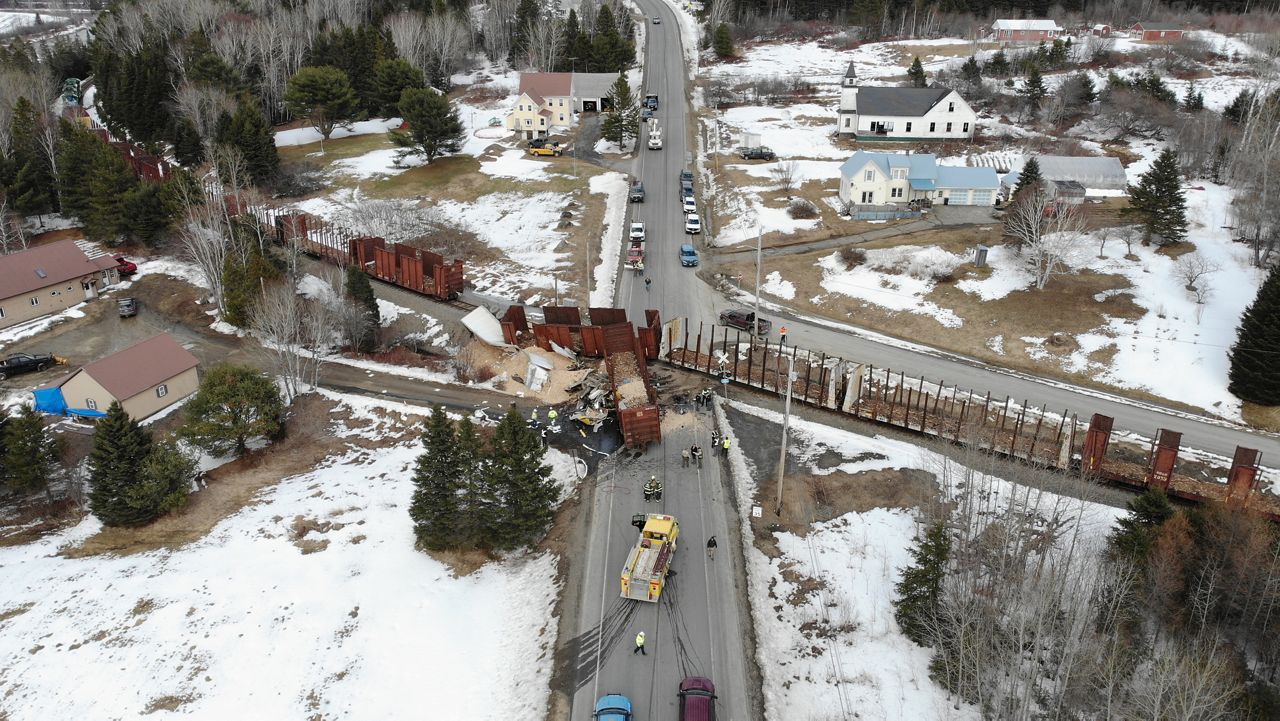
(882, 113)
(900, 178)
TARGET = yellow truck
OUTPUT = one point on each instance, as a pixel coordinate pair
(648, 563)
(546, 149)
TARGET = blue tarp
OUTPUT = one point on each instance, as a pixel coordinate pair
(50, 400)
(85, 413)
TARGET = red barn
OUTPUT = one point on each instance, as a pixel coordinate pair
(1159, 32)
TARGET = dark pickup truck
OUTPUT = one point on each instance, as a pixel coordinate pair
(741, 319)
(20, 363)
(760, 153)
(637, 192)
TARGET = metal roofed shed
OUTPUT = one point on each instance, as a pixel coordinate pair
(144, 378)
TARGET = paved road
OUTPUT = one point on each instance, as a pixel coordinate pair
(698, 627)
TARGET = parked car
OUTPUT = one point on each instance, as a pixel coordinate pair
(651, 101)
(686, 176)
(127, 307)
(697, 699)
(692, 224)
(742, 320)
(690, 206)
(657, 20)
(613, 707)
(637, 231)
(688, 256)
(646, 113)
(686, 189)
(761, 153)
(637, 192)
(19, 363)
(655, 141)
(125, 266)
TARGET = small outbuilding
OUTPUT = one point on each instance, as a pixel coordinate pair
(1159, 32)
(1027, 30)
(145, 378)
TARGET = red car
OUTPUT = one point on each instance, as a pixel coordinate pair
(125, 266)
(697, 699)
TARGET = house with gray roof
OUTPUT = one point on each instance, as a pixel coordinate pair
(886, 113)
(1099, 176)
(869, 178)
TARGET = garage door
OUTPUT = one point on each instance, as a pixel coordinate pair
(981, 197)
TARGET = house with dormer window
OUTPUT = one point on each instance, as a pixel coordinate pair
(885, 113)
(900, 178)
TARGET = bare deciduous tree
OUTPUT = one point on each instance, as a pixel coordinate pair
(786, 174)
(1049, 237)
(12, 236)
(409, 34)
(544, 44)
(202, 106)
(1129, 114)
(295, 334)
(1194, 266)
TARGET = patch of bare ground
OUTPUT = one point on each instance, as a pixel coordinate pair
(167, 703)
(229, 487)
(33, 519)
(303, 527)
(1265, 417)
(14, 612)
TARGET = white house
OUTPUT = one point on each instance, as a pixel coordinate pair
(1025, 31)
(899, 178)
(880, 113)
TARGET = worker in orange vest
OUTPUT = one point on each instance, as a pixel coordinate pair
(782, 333)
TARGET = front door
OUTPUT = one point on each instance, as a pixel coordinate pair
(90, 289)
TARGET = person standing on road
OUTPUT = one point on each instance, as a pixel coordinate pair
(711, 548)
(650, 488)
(782, 333)
(724, 445)
(639, 645)
(648, 283)
(696, 451)
(684, 458)
(533, 417)
(715, 439)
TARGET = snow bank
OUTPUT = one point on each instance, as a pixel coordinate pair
(307, 135)
(243, 624)
(774, 285)
(614, 187)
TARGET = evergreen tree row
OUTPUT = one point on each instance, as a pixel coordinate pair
(472, 493)
(602, 49)
(134, 480)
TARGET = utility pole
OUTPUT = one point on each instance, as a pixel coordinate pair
(756, 330)
(786, 422)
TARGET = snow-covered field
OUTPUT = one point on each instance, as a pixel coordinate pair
(796, 131)
(12, 22)
(826, 66)
(243, 624)
(523, 228)
(839, 653)
(614, 187)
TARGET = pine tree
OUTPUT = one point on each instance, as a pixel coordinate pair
(249, 132)
(77, 148)
(723, 42)
(434, 126)
(151, 208)
(120, 445)
(1028, 177)
(1132, 538)
(479, 506)
(528, 494)
(188, 148)
(1193, 101)
(916, 75)
(998, 66)
(622, 120)
(609, 52)
(33, 188)
(970, 72)
(4, 446)
(162, 483)
(920, 589)
(1033, 88)
(365, 334)
(437, 480)
(1158, 200)
(1254, 372)
(322, 95)
(1238, 110)
(234, 404)
(108, 185)
(391, 78)
(526, 16)
(569, 40)
(30, 454)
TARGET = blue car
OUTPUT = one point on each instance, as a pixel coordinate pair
(613, 707)
(688, 256)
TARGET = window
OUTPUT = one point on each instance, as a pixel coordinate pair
(1, 312)
(899, 173)
(91, 404)
(562, 102)
(948, 127)
(846, 122)
(895, 193)
(35, 300)
(939, 195)
(562, 117)
(162, 390)
(869, 176)
(951, 107)
(932, 127)
(966, 127)
(528, 122)
(868, 196)
(908, 127)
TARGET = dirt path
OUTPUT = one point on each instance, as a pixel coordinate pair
(888, 231)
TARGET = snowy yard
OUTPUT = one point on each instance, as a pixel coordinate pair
(254, 621)
(827, 641)
(11, 22)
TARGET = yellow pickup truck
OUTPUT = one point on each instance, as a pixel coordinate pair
(547, 149)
